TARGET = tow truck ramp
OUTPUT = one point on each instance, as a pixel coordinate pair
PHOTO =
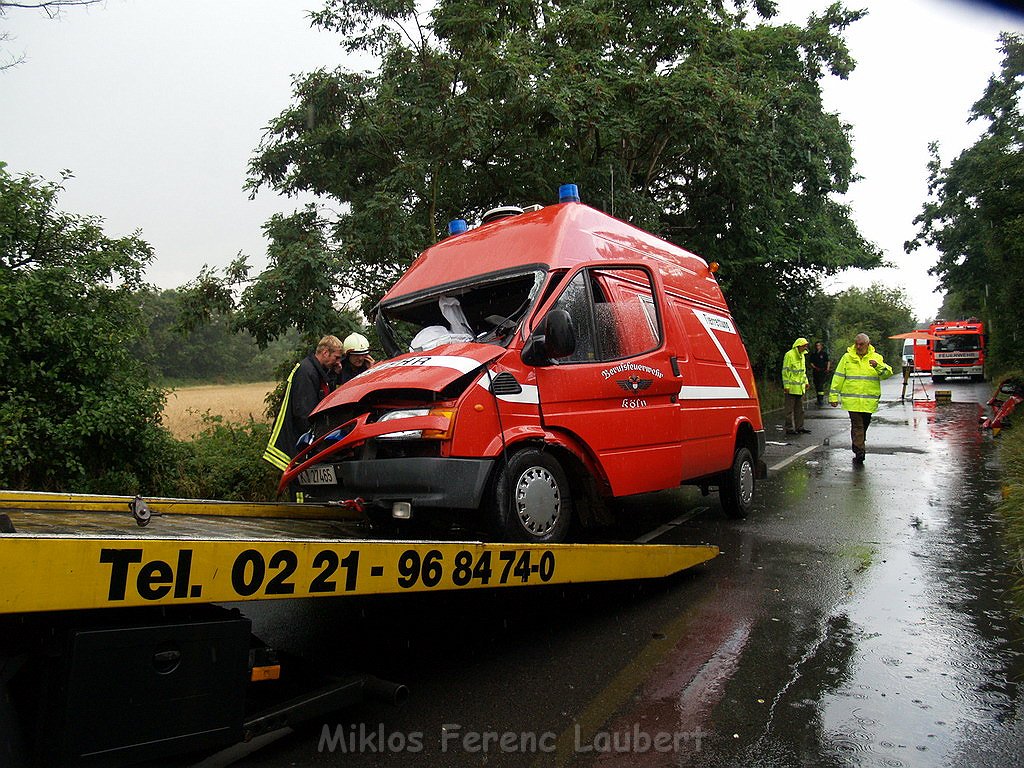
(114, 647)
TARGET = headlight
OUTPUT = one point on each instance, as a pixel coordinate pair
(403, 414)
(416, 434)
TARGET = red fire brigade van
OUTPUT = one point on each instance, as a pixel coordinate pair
(959, 350)
(918, 353)
(541, 363)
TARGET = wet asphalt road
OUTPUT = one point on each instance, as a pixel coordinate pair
(859, 616)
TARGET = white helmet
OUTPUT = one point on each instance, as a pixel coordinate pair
(355, 343)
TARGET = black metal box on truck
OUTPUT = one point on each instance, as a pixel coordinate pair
(121, 693)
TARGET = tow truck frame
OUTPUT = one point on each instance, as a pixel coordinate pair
(116, 647)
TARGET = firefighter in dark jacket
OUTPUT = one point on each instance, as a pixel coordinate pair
(821, 367)
(308, 384)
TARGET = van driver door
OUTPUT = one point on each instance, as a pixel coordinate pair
(616, 393)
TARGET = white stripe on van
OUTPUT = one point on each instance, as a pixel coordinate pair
(711, 324)
(529, 395)
(716, 322)
(713, 393)
(460, 364)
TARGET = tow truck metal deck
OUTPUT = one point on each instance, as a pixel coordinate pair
(83, 574)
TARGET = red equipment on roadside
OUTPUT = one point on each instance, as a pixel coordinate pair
(1008, 395)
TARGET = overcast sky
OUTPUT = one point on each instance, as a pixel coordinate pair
(157, 106)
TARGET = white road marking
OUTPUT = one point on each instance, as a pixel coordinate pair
(793, 458)
(651, 535)
(671, 524)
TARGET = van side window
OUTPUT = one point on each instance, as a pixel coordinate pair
(614, 313)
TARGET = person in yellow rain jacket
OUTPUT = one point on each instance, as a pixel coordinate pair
(794, 381)
(857, 383)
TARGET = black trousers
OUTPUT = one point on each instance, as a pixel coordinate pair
(821, 379)
(859, 423)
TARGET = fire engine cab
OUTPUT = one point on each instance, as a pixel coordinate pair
(959, 349)
(540, 363)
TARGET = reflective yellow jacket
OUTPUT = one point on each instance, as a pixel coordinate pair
(856, 383)
(794, 370)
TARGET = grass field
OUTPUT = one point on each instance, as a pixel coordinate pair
(183, 414)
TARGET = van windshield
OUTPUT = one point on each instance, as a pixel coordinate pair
(487, 310)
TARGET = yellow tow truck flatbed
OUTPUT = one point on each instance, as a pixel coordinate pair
(115, 648)
(71, 552)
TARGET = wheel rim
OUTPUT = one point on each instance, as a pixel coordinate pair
(746, 483)
(538, 500)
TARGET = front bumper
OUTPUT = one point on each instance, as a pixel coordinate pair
(958, 370)
(424, 481)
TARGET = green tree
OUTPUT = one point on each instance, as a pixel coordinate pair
(77, 411)
(975, 214)
(210, 352)
(298, 291)
(683, 118)
(879, 312)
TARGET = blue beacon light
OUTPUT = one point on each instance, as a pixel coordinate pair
(568, 193)
(457, 226)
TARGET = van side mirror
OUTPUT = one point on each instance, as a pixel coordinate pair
(556, 338)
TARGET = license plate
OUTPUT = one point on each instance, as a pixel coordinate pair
(321, 474)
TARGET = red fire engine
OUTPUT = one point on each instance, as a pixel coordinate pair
(959, 350)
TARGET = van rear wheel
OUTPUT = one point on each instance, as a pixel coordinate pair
(531, 501)
(736, 487)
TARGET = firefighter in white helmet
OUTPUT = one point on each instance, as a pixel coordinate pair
(355, 358)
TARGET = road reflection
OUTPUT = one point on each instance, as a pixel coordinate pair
(860, 617)
(933, 662)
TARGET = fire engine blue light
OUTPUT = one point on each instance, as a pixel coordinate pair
(568, 193)
(457, 226)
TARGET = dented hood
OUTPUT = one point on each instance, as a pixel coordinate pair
(432, 370)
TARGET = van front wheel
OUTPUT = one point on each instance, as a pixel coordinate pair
(736, 488)
(531, 500)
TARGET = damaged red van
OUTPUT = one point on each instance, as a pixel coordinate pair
(542, 363)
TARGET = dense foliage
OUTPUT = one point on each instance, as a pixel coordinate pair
(1011, 504)
(878, 311)
(683, 118)
(298, 293)
(209, 352)
(77, 409)
(222, 461)
(975, 215)
(975, 218)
